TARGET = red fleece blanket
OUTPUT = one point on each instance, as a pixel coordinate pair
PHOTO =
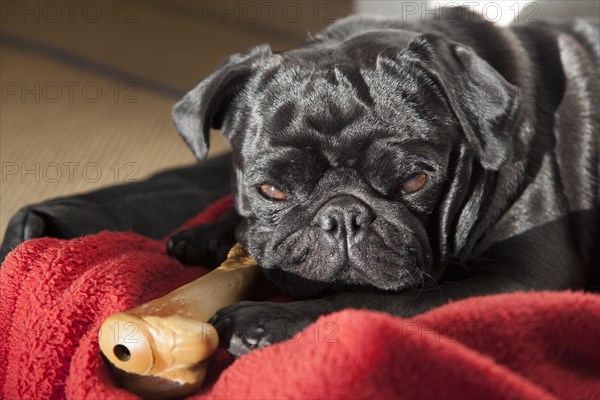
(55, 294)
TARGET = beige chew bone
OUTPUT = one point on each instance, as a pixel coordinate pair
(163, 346)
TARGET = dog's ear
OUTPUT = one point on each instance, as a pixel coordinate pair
(485, 104)
(204, 107)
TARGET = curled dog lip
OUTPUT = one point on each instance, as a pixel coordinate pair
(298, 255)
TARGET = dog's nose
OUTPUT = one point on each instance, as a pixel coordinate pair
(345, 217)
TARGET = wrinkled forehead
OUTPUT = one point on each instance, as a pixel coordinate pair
(317, 104)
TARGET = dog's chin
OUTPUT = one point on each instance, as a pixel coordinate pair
(298, 286)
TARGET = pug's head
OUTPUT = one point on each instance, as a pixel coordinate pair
(353, 157)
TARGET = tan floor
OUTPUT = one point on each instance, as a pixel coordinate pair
(86, 99)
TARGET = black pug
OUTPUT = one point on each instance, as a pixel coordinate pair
(394, 166)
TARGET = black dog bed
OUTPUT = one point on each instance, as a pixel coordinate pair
(153, 207)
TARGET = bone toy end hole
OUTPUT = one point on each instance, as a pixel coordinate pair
(122, 352)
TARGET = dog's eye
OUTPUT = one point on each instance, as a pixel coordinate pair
(414, 182)
(271, 192)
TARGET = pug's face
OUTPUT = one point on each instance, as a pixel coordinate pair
(348, 157)
(338, 186)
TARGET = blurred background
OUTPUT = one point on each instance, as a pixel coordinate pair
(87, 86)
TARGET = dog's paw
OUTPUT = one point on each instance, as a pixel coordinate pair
(206, 245)
(249, 325)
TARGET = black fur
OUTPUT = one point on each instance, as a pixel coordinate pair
(504, 122)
